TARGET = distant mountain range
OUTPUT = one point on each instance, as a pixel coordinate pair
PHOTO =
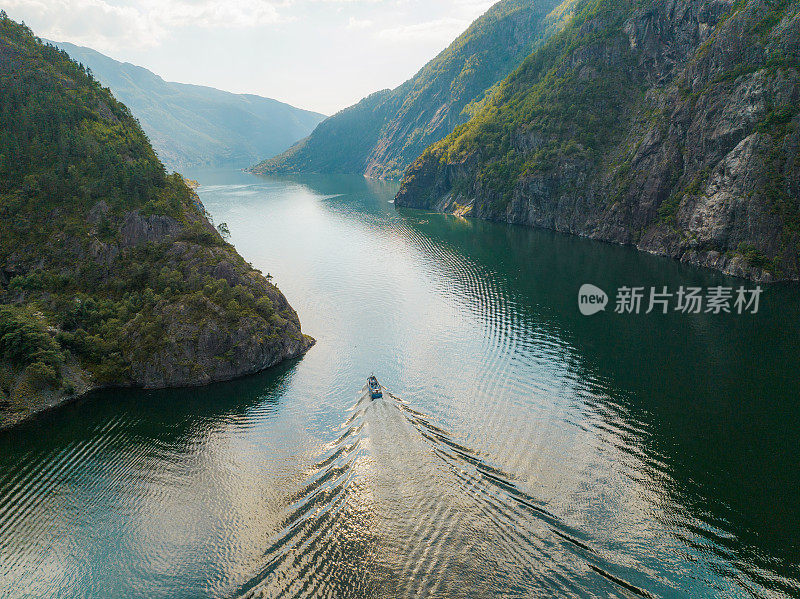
(193, 125)
(381, 135)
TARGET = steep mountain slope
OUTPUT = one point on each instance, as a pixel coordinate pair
(670, 125)
(382, 134)
(192, 125)
(110, 273)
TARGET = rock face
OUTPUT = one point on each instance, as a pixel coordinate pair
(201, 341)
(182, 338)
(382, 134)
(670, 125)
(111, 273)
(138, 229)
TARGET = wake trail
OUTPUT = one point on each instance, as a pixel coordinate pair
(372, 490)
(492, 478)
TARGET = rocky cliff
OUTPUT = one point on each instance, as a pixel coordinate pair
(382, 134)
(670, 125)
(110, 272)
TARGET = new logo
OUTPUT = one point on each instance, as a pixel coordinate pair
(591, 299)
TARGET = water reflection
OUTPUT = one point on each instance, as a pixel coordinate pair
(132, 493)
(702, 415)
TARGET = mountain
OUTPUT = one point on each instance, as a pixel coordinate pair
(670, 125)
(192, 125)
(382, 134)
(110, 272)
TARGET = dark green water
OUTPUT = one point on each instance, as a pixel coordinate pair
(525, 450)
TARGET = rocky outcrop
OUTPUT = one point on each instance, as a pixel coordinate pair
(696, 150)
(184, 340)
(200, 352)
(201, 341)
(155, 228)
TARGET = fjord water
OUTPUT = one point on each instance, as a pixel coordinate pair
(523, 450)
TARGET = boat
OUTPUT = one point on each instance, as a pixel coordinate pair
(374, 387)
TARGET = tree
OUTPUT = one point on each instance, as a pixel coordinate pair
(224, 231)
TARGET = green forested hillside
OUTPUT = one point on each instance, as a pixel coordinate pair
(382, 134)
(193, 125)
(66, 144)
(110, 273)
(672, 126)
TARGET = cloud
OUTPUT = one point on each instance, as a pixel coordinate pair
(354, 23)
(471, 9)
(89, 22)
(214, 13)
(111, 25)
(438, 30)
(106, 26)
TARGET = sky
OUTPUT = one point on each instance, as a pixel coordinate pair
(322, 55)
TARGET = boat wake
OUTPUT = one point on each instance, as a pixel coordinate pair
(396, 507)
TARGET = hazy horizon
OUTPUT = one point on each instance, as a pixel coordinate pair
(350, 49)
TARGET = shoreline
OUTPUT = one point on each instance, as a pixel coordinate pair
(65, 400)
